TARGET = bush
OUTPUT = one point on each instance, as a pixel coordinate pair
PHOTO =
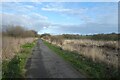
(18, 31)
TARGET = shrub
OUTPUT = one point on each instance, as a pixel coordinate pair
(18, 31)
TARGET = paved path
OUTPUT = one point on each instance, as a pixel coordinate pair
(44, 63)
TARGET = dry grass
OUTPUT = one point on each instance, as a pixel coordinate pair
(100, 51)
(110, 44)
(11, 45)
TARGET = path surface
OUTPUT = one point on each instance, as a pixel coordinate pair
(44, 63)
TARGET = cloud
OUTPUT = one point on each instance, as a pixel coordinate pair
(18, 8)
(88, 28)
(59, 7)
(34, 21)
(86, 14)
(103, 24)
(55, 9)
(98, 19)
(23, 14)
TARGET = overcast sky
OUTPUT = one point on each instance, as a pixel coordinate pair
(62, 17)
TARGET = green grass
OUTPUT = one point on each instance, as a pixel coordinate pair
(15, 68)
(84, 65)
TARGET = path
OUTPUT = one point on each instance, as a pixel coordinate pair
(44, 63)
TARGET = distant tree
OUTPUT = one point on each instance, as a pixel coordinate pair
(46, 34)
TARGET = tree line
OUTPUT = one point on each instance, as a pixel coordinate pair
(107, 37)
(18, 31)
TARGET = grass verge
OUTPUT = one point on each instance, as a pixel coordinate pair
(15, 68)
(82, 64)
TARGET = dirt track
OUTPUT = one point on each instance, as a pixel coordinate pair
(44, 63)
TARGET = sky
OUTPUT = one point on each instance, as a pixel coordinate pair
(62, 17)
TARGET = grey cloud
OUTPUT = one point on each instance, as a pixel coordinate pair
(84, 28)
(29, 21)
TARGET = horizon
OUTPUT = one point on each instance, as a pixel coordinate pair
(80, 34)
(62, 18)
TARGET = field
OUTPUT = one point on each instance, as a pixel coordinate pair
(100, 51)
(85, 65)
(103, 53)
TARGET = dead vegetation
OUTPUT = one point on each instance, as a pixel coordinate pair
(12, 39)
(99, 51)
(96, 50)
(11, 45)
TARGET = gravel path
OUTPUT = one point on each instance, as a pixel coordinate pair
(44, 63)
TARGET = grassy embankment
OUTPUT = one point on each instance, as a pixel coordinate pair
(15, 68)
(82, 64)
